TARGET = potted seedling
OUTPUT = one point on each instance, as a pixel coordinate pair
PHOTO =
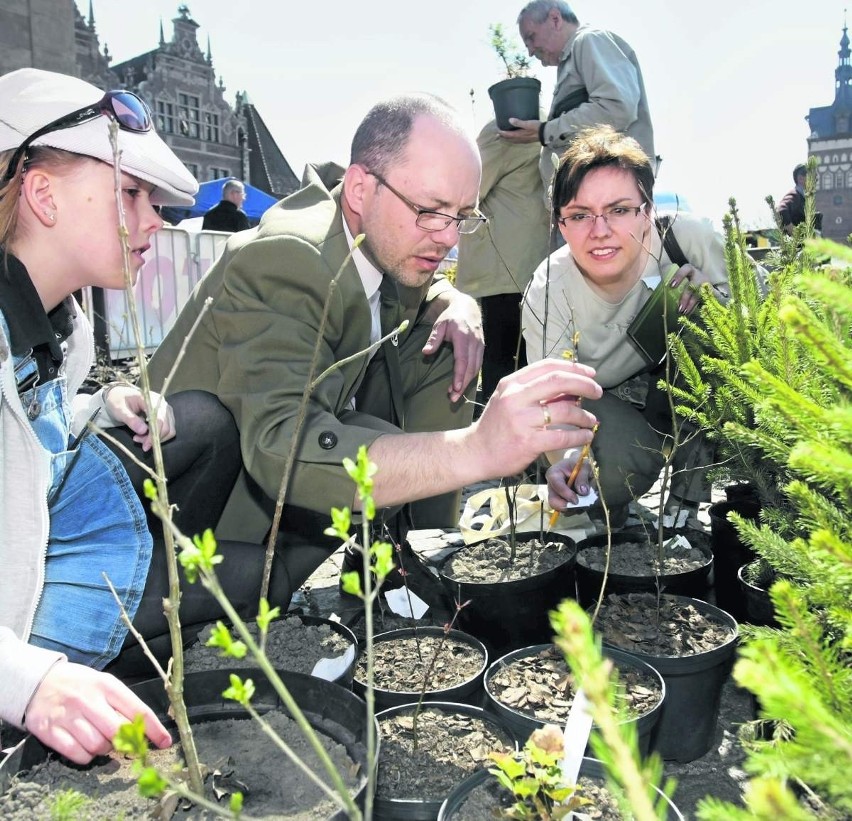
(510, 580)
(690, 642)
(518, 94)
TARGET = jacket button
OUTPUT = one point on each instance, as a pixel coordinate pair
(327, 440)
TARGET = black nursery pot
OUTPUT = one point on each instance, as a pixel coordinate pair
(754, 584)
(330, 709)
(515, 97)
(730, 554)
(469, 691)
(510, 614)
(424, 809)
(694, 684)
(523, 724)
(691, 583)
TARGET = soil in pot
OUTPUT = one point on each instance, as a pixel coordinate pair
(276, 789)
(480, 797)
(302, 644)
(533, 686)
(508, 601)
(687, 562)
(450, 663)
(453, 740)
(691, 644)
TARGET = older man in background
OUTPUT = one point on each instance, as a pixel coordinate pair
(228, 215)
(598, 82)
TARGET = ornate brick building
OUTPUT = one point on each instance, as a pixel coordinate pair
(830, 142)
(177, 80)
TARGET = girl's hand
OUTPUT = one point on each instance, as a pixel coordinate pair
(126, 406)
(77, 712)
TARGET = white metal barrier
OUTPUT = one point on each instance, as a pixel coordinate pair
(176, 262)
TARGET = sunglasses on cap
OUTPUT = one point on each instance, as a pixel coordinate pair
(128, 110)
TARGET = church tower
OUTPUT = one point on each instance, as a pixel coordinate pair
(830, 141)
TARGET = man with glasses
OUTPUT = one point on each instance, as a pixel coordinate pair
(583, 299)
(411, 189)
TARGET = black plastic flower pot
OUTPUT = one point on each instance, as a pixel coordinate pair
(742, 492)
(426, 809)
(513, 613)
(468, 691)
(524, 722)
(690, 713)
(730, 554)
(516, 97)
(294, 647)
(454, 809)
(755, 579)
(693, 582)
(331, 710)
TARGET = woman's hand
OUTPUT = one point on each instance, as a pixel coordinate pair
(560, 493)
(126, 405)
(691, 295)
(77, 712)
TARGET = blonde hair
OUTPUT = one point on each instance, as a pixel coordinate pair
(10, 191)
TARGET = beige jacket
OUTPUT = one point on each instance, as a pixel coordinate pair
(501, 256)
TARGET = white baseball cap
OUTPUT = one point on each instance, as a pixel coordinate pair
(31, 98)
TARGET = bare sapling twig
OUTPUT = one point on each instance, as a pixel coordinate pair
(163, 674)
(427, 673)
(608, 529)
(511, 494)
(403, 573)
(171, 604)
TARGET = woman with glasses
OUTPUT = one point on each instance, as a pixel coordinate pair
(582, 300)
(70, 510)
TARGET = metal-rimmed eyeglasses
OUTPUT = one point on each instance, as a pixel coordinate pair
(129, 111)
(430, 220)
(613, 216)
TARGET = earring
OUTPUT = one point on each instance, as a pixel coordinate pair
(51, 217)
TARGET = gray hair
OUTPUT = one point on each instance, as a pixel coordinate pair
(537, 11)
(383, 134)
(232, 185)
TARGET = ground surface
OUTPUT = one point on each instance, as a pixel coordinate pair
(717, 773)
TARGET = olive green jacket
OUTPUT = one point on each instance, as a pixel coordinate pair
(254, 344)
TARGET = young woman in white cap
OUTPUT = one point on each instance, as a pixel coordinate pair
(69, 501)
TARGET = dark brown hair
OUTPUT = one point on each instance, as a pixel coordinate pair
(600, 147)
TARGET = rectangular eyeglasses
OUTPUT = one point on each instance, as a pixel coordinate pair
(430, 220)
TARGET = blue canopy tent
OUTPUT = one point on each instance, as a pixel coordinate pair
(210, 194)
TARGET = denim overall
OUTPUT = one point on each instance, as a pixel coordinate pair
(97, 527)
